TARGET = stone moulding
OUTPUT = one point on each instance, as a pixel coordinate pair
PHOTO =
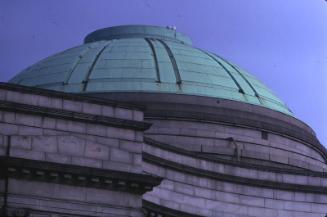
(283, 129)
(19, 168)
(76, 116)
(149, 158)
(242, 164)
(68, 96)
(230, 178)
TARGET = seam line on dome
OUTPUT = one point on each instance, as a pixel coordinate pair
(240, 89)
(155, 59)
(68, 77)
(247, 81)
(93, 64)
(173, 61)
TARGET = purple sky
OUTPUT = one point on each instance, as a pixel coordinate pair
(282, 42)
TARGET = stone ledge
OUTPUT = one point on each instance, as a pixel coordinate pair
(19, 168)
(76, 116)
(181, 151)
(232, 178)
(68, 96)
(284, 129)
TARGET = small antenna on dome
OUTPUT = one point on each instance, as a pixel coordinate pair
(172, 27)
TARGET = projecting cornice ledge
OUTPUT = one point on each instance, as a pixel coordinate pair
(71, 115)
(241, 164)
(42, 171)
(169, 164)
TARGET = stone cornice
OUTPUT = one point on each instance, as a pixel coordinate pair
(242, 164)
(71, 115)
(68, 96)
(283, 128)
(232, 178)
(19, 168)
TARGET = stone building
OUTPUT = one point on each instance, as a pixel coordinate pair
(138, 122)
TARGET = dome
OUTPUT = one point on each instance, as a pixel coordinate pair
(147, 59)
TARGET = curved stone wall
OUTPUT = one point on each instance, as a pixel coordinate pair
(209, 188)
(214, 139)
(206, 125)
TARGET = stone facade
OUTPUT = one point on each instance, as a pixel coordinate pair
(211, 188)
(72, 133)
(68, 155)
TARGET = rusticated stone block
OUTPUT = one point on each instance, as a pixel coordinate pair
(137, 115)
(274, 204)
(45, 101)
(23, 142)
(71, 105)
(27, 154)
(227, 197)
(113, 198)
(153, 169)
(24, 98)
(28, 120)
(8, 129)
(58, 158)
(192, 209)
(45, 143)
(49, 123)
(110, 142)
(120, 156)
(167, 184)
(139, 136)
(258, 211)
(95, 129)
(9, 117)
(70, 126)
(107, 111)
(71, 145)
(137, 159)
(183, 188)
(297, 206)
(175, 175)
(169, 203)
(252, 201)
(48, 132)
(96, 151)
(88, 162)
(278, 157)
(30, 131)
(127, 134)
(49, 190)
(283, 195)
(123, 113)
(90, 108)
(130, 146)
(205, 193)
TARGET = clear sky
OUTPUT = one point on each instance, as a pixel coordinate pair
(282, 42)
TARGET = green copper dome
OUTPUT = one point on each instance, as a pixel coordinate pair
(146, 59)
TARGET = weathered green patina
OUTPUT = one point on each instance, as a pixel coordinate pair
(146, 59)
